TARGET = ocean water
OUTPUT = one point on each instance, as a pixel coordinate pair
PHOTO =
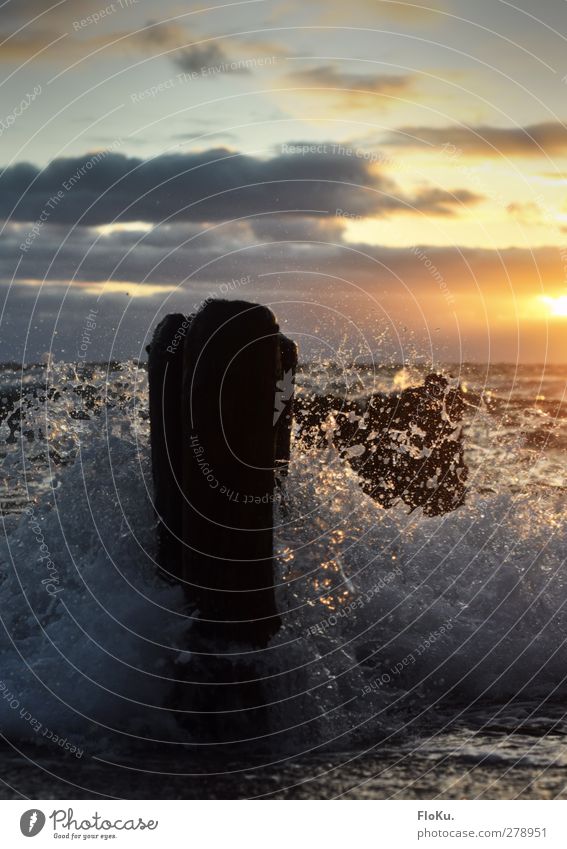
(419, 656)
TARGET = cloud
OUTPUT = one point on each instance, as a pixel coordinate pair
(209, 57)
(15, 10)
(184, 253)
(549, 138)
(559, 176)
(205, 56)
(82, 36)
(433, 201)
(23, 46)
(198, 138)
(327, 76)
(166, 254)
(298, 228)
(173, 37)
(27, 28)
(525, 213)
(411, 286)
(347, 90)
(211, 185)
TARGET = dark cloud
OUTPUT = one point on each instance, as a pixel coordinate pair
(277, 272)
(210, 59)
(206, 57)
(170, 254)
(549, 138)
(186, 252)
(212, 185)
(298, 228)
(166, 35)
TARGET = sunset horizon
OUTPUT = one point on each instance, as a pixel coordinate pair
(401, 164)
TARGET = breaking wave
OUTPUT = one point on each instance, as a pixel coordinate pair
(386, 613)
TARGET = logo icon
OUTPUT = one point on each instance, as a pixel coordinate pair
(32, 822)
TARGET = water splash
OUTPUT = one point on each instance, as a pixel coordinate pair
(385, 612)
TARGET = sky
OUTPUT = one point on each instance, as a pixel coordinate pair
(390, 177)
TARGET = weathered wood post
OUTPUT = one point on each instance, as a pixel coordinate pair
(233, 358)
(221, 407)
(283, 407)
(165, 373)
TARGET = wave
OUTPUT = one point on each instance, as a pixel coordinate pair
(386, 613)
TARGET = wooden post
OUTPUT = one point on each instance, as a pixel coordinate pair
(165, 371)
(283, 408)
(221, 408)
(233, 358)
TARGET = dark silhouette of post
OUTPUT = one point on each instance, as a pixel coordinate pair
(221, 407)
(232, 362)
(165, 373)
(283, 407)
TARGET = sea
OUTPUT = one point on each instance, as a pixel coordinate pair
(419, 656)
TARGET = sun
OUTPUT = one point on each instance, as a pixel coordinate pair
(556, 306)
